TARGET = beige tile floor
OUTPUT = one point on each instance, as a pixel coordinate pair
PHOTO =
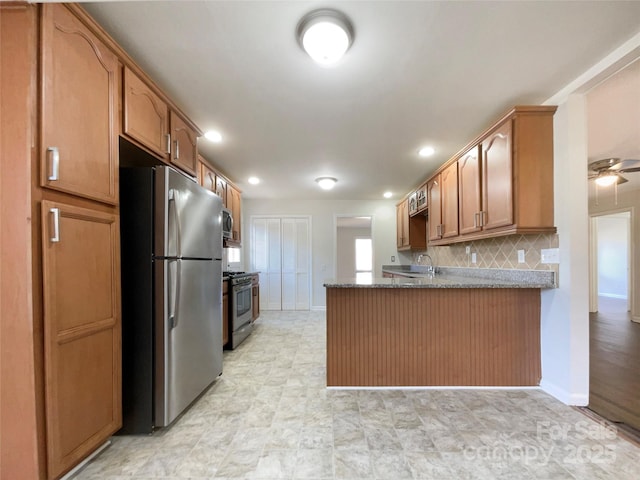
(270, 417)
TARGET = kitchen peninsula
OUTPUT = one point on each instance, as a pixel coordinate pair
(461, 327)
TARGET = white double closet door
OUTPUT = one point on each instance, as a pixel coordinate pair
(281, 252)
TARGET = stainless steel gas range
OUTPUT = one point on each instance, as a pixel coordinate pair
(240, 307)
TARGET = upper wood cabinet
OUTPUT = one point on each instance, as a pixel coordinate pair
(79, 120)
(442, 192)
(184, 144)
(505, 181)
(497, 178)
(82, 331)
(206, 176)
(411, 232)
(469, 193)
(146, 115)
(221, 189)
(402, 224)
(449, 198)
(435, 208)
(234, 204)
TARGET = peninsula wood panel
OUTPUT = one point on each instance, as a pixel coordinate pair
(505, 336)
(432, 337)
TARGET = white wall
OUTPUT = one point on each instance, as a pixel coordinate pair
(346, 250)
(565, 310)
(323, 232)
(565, 316)
(613, 261)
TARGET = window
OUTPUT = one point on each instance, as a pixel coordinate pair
(364, 259)
(233, 258)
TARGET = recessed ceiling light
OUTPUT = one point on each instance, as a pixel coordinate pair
(326, 183)
(387, 195)
(213, 136)
(426, 151)
(325, 34)
(253, 180)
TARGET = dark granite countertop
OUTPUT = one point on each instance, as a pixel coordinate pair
(416, 276)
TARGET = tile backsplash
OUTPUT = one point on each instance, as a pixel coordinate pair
(500, 252)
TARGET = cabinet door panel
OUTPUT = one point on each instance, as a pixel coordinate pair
(497, 181)
(400, 225)
(79, 109)
(449, 196)
(221, 190)
(207, 177)
(469, 192)
(82, 331)
(184, 145)
(234, 204)
(146, 116)
(435, 208)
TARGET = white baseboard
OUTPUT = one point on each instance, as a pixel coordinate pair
(575, 399)
(435, 388)
(318, 308)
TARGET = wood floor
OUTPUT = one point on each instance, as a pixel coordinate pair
(615, 363)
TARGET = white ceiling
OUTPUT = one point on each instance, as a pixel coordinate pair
(419, 72)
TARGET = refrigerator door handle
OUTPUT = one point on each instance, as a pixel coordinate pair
(175, 271)
(173, 200)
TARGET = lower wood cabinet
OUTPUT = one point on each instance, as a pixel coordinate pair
(82, 331)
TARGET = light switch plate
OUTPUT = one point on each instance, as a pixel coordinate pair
(467, 249)
(550, 255)
(473, 258)
(520, 256)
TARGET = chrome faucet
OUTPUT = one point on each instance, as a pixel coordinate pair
(430, 268)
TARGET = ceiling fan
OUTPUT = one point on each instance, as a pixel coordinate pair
(608, 171)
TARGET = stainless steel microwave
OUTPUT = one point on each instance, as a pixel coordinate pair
(227, 223)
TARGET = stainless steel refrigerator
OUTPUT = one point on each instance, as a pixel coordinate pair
(171, 249)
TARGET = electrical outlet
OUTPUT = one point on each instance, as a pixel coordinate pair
(550, 255)
(473, 257)
(520, 256)
(467, 250)
(393, 258)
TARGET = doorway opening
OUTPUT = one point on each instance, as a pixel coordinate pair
(354, 247)
(610, 290)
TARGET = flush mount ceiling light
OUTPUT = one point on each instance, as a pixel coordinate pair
(387, 195)
(325, 34)
(426, 151)
(253, 180)
(326, 183)
(213, 136)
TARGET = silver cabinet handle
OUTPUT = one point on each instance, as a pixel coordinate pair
(177, 150)
(55, 162)
(168, 144)
(56, 225)
(483, 222)
(475, 220)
